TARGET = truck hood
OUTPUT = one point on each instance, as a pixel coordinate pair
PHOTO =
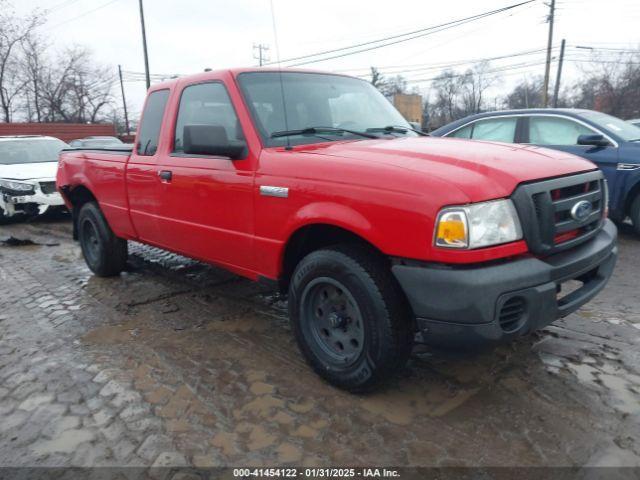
(29, 171)
(481, 170)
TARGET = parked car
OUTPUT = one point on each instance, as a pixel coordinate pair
(28, 167)
(635, 122)
(375, 231)
(612, 144)
(96, 142)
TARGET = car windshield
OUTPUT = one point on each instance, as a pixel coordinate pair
(624, 130)
(314, 101)
(31, 150)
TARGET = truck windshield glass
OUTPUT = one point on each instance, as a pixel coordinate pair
(315, 100)
(625, 130)
(30, 151)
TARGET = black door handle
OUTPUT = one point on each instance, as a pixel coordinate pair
(165, 175)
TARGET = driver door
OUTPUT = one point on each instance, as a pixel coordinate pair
(206, 201)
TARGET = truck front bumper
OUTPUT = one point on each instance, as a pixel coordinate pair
(459, 305)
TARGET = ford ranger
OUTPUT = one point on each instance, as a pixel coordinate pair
(315, 183)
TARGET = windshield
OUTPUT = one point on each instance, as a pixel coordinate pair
(315, 100)
(30, 150)
(622, 129)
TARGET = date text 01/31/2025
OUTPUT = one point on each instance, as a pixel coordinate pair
(315, 473)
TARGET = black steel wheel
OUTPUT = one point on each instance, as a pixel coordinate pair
(105, 254)
(349, 316)
(334, 321)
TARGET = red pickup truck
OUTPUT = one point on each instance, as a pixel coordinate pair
(316, 182)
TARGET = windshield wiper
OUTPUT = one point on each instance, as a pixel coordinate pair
(320, 130)
(396, 129)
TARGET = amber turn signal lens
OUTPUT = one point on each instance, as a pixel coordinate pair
(452, 230)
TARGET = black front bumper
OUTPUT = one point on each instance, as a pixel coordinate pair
(490, 303)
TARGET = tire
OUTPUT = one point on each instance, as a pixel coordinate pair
(634, 213)
(105, 254)
(349, 317)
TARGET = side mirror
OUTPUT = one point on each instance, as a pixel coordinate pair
(210, 140)
(593, 140)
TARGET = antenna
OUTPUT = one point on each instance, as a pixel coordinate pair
(284, 101)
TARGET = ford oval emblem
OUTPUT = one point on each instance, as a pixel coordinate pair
(581, 210)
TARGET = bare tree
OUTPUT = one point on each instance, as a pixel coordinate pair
(526, 94)
(474, 85)
(445, 108)
(612, 86)
(33, 64)
(13, 32)
(389, 86)
(74, 89)
(377, 80)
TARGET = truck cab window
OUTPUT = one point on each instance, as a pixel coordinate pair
(151, 123)
(207, 104)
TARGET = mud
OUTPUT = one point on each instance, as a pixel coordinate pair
(177, 362)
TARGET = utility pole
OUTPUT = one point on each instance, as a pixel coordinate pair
(261, 56)
(556, 92)
(124, 101)
(547, 69)
(144, 46)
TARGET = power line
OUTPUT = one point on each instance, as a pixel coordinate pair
(261, 56)
(399, 38)
(438, 64)
(399, 70)
(60, 6)
(82, 15)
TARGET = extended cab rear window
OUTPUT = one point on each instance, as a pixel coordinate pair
(152, 122)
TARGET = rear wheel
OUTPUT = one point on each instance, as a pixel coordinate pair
(349, 317)
(634, 213)
(105, 254)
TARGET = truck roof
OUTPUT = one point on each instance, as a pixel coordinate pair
(234, 72)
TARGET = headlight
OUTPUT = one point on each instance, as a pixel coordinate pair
(16, 187)
(478, 225)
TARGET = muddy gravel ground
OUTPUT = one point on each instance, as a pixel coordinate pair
(179, 363)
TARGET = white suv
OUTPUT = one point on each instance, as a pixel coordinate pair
(28, 166)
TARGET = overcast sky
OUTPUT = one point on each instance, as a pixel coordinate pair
(186, 36)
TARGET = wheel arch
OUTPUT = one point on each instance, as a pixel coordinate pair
(77, 197)
(314, 236)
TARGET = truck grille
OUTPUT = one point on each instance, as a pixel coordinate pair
(48, 187)
(558, 214)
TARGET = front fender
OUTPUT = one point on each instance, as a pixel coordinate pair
(330, 213)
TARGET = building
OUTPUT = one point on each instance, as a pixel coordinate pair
(409, 105)
(64, 131)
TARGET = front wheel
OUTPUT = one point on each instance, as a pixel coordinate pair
(349, 317)
(105, 254)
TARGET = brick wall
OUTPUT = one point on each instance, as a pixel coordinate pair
(63, 131)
